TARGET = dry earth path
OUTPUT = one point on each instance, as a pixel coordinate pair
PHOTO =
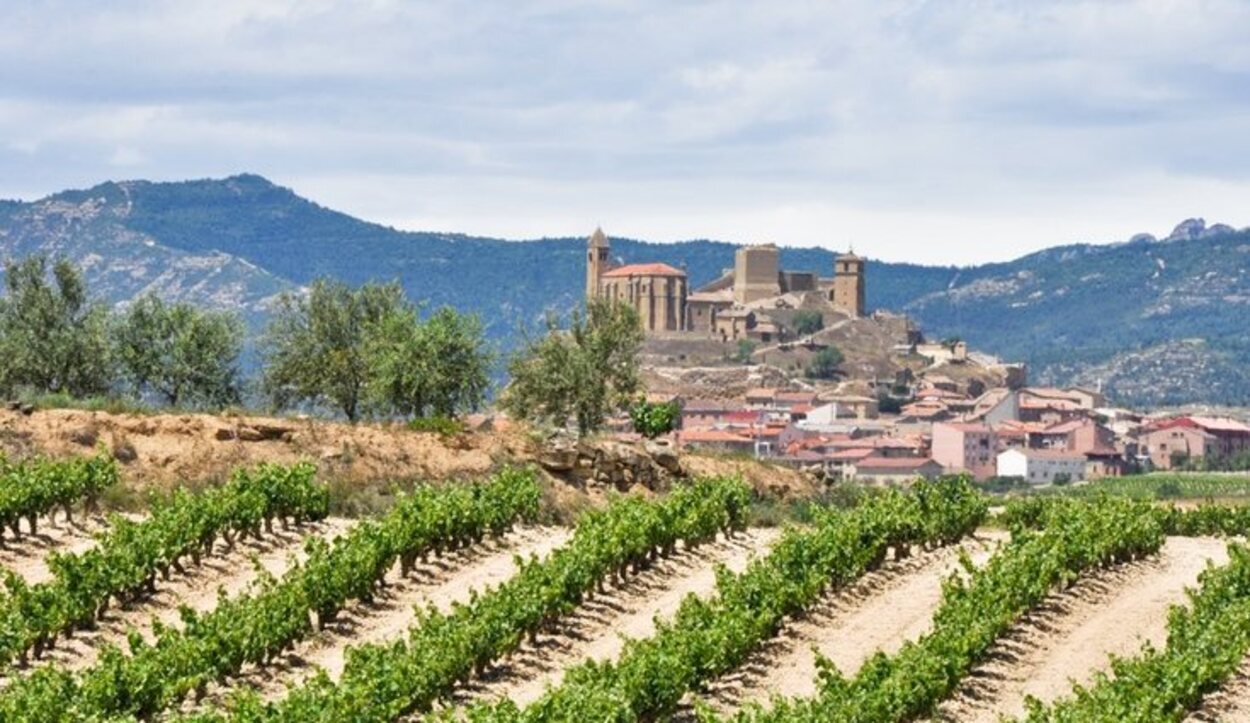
(1069, 637)
(597, 629)
(879, 612)
(28, 556)
(198, 588)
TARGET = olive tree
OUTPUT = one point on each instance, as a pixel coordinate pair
(583, 372)
(179, 352)
(315, 347)
(53, 336)
(438, 366)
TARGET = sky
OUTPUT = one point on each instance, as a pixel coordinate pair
(944, 132)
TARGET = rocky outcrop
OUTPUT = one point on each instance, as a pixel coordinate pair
(618, 463)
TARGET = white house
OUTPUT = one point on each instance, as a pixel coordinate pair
(1041, 466)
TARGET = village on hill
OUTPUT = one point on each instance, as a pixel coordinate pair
(736, 355)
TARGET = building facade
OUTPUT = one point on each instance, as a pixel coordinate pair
(1042, 466)
(965, 447)
(657, 291)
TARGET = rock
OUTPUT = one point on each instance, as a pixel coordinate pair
(558, 455)
(255, 433)
(664, 455)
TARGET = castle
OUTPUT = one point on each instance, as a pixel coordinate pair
(727, 308)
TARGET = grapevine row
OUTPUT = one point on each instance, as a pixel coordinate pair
(971, 617)
(35, 488)
(1206, 519)
(131, 555)
(708, 638)
(275, 614)
(1207, 641)
(444, 650)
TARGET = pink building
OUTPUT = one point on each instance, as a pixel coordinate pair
(965, 447)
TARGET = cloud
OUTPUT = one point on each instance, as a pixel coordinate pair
(939, 131)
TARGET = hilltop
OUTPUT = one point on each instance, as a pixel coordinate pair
(1155, 321)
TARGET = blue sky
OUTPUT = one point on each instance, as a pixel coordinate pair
(941, 132)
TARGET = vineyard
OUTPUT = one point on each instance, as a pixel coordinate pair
(247, 602)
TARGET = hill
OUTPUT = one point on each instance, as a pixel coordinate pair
(1155, 321)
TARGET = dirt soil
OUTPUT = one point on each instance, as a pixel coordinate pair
(879, 612)
(1070, 636)
(161, 450)
(598, 628)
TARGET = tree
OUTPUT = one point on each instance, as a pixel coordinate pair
(584, 372)
(315, 348)
(808, 322)
(824, 365)
(53, 337)
(436, 367)
(182, 353)
(746, 348)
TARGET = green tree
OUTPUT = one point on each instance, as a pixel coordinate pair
(182, 353)
(53, 337)
(434, 367)
(315, 348)
(584, 372)
(824, 365)
(746, 348)
(808, 322)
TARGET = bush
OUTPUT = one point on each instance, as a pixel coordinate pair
(653, 419)
(441, 425)
(808, 322)
(825, 364)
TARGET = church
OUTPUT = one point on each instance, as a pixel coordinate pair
(726, 307)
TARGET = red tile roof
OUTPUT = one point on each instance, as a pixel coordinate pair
(893, 463)
(656, 269)
(710, 435)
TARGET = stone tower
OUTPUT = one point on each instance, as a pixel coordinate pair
(755, 273)
(848, 284)
(597, 250)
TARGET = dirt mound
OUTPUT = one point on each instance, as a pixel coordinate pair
(161, 449)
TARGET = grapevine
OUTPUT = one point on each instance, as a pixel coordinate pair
(275, 614)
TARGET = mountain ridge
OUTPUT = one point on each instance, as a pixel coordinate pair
(1090, 313)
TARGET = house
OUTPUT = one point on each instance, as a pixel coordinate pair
(965, 447)
(1042, 466)
(842, 408)
(790, 400)
(1105, 462)
(1171, 440)
(706, 412)
(894, 470)
(760, 398)
(721, 440)
(1075, 435)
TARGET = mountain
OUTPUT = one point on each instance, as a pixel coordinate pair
(1154, 321)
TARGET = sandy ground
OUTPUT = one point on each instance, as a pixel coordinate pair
(28, 556)
(1069, 637)
(1229, 704)
(198, 588)
(881, 611)
(598, 629)
(441, 581)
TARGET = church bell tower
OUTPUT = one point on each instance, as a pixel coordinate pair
(597, 250)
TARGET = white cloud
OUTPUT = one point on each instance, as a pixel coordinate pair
(938, 131)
